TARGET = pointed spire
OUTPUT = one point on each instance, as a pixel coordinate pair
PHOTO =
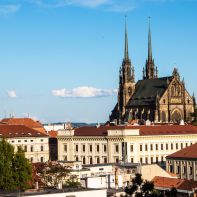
(149, 42)
(126, 51)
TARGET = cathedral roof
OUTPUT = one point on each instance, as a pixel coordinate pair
(147, 90)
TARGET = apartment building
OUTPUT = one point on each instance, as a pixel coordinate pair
(34, 143)
(108, 144)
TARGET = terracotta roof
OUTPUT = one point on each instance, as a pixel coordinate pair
(179, 184)
(24, 121)
(189, 152)
(143, 130)
(52, 134)
(12, 131)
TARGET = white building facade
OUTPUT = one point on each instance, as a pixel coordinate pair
(109, 144)
(34, 143)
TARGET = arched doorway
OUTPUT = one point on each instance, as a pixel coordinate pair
(176, 116)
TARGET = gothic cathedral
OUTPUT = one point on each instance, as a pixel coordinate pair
(158, 99)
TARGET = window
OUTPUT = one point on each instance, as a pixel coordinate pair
(161, 146)
(41, 140)
(25, 148)
(190, 170)
(140, 147)
(105, 148)
(177, 146)
(186, 144)
(156, 146)
(97, 148)
(65, 158)
(32, 159)
(25, 140)
(151, 147)
(31, 140)
(41, 159)
(32, 149)
(90, 147)
(170, 168)
(172, 146)
(181, 145)
(90, 160)
(98, 160)
(42, 148)
(19, 140)
(146, 160)
(131, 159)
(131, 148)
(166, 146)
(117, 160)
(105, 159)
(77, 158)
(140, 160)
(12, 141)
(76, 148)
(151, 159)
(157, 160)
(84, 148)
(162, 159)
(146, 147)
(178, 169)
(65, 147)
(84, 160)
(117, 148)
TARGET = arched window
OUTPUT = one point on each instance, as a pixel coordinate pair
(173, 90)
(130, 91)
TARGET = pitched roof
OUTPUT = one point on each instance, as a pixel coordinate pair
(143, 130)
(52, 134)
(13, 131)
(24, 121)
(179, 184)
(189, 152)
(147, 90)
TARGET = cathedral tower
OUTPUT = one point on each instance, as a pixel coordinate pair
(126, 80)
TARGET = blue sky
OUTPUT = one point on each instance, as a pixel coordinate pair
(59, 59)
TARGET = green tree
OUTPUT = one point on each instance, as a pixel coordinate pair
(15, 169)
(140, 188)
(23, 170)
(6, 166)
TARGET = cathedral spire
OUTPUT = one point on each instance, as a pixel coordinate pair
(149, 42)
(150, 65)
(126, 50)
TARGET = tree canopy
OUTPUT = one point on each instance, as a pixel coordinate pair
(15, 169)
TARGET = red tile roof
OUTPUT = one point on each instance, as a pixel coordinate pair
(143, 130)
(13, 131)
(52, 134)
(189, 152)
(28, 122)
(179, 184)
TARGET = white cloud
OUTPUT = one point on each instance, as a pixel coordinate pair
(8, 9)
(11, 94)
(83, 92)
